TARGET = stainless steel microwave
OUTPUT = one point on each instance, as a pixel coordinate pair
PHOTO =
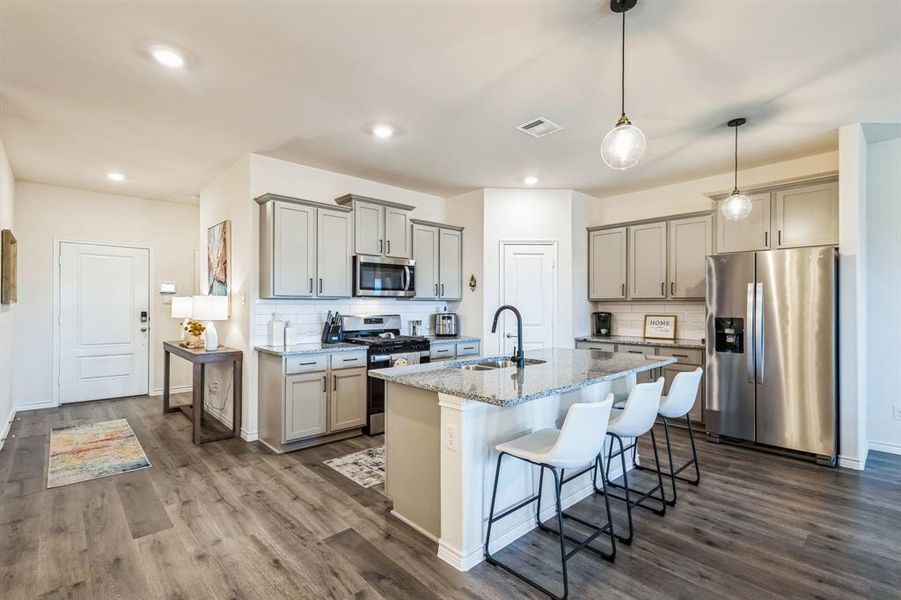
(383, 276)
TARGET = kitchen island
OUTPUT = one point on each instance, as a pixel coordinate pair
(443, 421)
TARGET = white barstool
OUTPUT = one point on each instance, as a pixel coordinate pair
(635, 419)
(677, 404)
(577, 445)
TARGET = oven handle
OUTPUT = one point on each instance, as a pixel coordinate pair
(379, 358)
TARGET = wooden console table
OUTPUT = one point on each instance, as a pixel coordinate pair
(199, 358)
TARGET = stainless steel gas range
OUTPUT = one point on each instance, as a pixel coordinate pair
(387, 348)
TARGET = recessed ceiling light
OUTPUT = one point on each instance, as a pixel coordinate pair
(382, 131)
(115, 176)
(530, 180)
(167, 57)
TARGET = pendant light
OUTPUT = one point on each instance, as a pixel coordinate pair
(623, 145)
(737, 206)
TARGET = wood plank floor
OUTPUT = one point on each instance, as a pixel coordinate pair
(231, 520)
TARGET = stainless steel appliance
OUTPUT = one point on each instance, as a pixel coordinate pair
(387, 348)
(446, 324)
(383, 276)
(772, 352)
(602, 324)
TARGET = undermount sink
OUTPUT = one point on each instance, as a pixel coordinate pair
(494, 363)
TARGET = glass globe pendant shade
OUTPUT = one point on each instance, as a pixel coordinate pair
(736, 207)
(623, 145)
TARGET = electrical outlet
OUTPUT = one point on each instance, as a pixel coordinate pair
(896, 412)
(450, 437)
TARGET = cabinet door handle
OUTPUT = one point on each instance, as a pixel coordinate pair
(325, 384)
(436, 289)
(311, 285)
(334, 382)
(442, 290)
(380, 246)
(320, 285)
(766, 238)
(663, 288)
(779, 238)
(672, 288)
(680, 355)
(389, 246)
(624, 290)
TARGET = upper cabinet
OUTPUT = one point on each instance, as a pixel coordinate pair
(647, 261)
(381, 228)
(607, 264)
(305, 249)
(750, 233)
(689, 244)
(788, 216)
(806, 216)
(438, 252)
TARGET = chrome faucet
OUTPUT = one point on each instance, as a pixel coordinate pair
(518, 356)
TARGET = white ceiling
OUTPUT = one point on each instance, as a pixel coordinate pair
(302, 80)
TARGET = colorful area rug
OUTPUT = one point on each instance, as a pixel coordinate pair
(85, 452)
(366, 468)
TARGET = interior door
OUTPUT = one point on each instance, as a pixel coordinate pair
(607, 264)
(647, 261)
(529, 285)
(450, 243)
(104, 325)
(425, 253)
(333, 256)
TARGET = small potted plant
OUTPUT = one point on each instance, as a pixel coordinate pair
(193, 334)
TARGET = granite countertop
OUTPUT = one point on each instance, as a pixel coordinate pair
(310, 348)
(640, 341)
(564, 370)
(438, 339)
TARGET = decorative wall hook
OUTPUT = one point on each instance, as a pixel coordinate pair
(472, 283)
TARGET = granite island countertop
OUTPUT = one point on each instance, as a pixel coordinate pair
(565, 369)
(310, 348)
(640, 341)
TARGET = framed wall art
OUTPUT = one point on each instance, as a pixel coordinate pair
(660, 327)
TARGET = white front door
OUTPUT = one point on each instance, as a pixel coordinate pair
(104, 326)
(530, 284)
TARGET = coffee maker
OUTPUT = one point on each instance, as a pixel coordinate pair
(601, 324)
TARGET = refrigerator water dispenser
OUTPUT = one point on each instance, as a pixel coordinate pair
(729, 335)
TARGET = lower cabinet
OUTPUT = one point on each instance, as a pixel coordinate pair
(603, 346)
(347, 406)
(306, 405)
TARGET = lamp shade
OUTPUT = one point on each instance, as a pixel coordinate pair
(182, 307)
(210, 308)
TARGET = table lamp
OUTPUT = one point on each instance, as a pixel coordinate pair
(209, 309)
(182, 308)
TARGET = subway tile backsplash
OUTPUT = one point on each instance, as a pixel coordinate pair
(309, 315)
(628, 317)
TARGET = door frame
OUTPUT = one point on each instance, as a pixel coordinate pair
(554, 246)
(56, 316)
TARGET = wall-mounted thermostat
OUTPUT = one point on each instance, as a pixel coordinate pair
(167, 288)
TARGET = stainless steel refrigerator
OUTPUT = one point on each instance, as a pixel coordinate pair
(772, 322)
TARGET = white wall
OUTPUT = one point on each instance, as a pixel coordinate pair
(852, 198)
(524, 215)
(693, 195)
(883, 242)
(7, 311)
(583, 206)
(45, 212)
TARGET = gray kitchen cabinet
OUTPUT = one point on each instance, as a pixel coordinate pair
(669, 372)
(369, 227)
(689, 245)
(289, 258)
(347, 402)
(425, 253)
(750, 233)
(647, 261)
(333, 256)
(607, 264)
(397, 244)
(306, 405)
(450, 257)
(806, 216)
(645, 376)
(603, 346)
(442, 351)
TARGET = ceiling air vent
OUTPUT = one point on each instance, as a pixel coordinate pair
(540, 127)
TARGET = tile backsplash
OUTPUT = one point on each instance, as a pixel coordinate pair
(628, 317)
(309, 315)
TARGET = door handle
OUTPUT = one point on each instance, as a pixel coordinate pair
(380, 246)
(758, 337)
(624, 290)
(143, 329)
(311, 285)
(663, 288)
(442, 290)
(672, 288)
(325, 384)
(389, 246)
(766, 238)
(436, 289)
(779, 237)
(511, 335)
(749, 349)
(320, 285)
(334, 383)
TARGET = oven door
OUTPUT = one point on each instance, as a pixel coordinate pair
(375, 397)
(382, 276)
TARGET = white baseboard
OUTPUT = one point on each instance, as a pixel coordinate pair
(889, 447)
(35, 406)
(175, 389)
(7, 424)
(466, 560)
(852, 463)
(250, 436)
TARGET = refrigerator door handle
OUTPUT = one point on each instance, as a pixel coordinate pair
(759, 332)
(750, 349)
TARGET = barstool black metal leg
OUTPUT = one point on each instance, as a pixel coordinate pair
(672, 468)
(558, 489)
(694, 457)
(497, 472)
(540, 491)
(662, 510)
(622, 457)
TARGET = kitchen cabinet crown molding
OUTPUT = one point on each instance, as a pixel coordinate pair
(269, 197)
(829, 177)
(350, 198)
(436, 224)
(699, 213)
